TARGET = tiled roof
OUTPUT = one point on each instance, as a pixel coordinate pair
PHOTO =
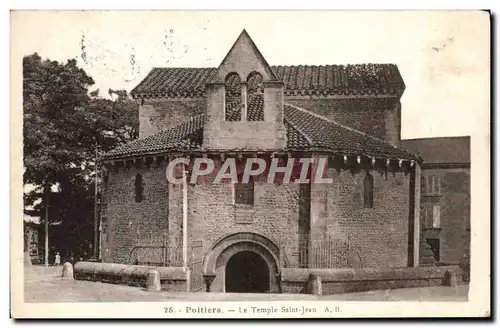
(298, 80)
(186, 136)
(327, 135)
(305, 131)
(444, 150)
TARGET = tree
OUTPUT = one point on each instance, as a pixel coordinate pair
(118, 118)
(52, 96)
(63, 126)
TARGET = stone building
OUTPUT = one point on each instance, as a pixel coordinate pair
(445, 196)
(238, 236)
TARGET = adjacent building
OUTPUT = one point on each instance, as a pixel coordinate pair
(445, 201)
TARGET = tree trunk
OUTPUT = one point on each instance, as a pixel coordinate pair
(46, 191)
(96, 210)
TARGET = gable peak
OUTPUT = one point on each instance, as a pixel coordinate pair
(244, 50)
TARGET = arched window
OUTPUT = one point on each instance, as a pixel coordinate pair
(368, 191)
(255, 97)
(233, 97)
(138, 188)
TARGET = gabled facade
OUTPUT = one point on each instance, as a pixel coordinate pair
(237, 236)
(242, 79)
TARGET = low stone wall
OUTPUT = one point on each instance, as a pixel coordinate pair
(171, 278)
(338, 281)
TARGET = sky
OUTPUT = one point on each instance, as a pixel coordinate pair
(443, 56)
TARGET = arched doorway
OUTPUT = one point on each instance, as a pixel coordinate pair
(264, 254)
(247, 272)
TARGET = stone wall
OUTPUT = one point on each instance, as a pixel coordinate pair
(212, 214)
(157, 115)
(255, 135)
(282, 212)
(338, 281)
(173, 279)
(127, 223)
(380, 234)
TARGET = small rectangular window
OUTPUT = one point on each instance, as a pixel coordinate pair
(436, 216)
(244, 193)
(428, 186)
(436, 185)
(331, 162)
(432, 185)
(423, 184)
(427, 216)
(423, 218)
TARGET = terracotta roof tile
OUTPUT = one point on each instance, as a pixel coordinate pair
(295, 140)
(187, 135)
(302, 79)
(328, 135)
(305, 131)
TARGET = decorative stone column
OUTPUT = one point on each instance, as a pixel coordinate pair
(244, 105)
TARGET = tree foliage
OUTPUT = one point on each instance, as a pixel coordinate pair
(64, 124)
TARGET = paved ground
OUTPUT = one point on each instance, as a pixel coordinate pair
(45, 285)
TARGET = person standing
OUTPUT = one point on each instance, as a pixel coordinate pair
(57, 262)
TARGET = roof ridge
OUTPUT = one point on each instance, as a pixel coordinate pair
(341, 125)
(191, 119)
(161, 132)
(279, 65)
(328, 79)
(184, 67)
(309, 140)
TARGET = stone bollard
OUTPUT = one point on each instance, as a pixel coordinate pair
(153, 282)
(314, 285)
(67, 271)
(27, 259)
(450, 278)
